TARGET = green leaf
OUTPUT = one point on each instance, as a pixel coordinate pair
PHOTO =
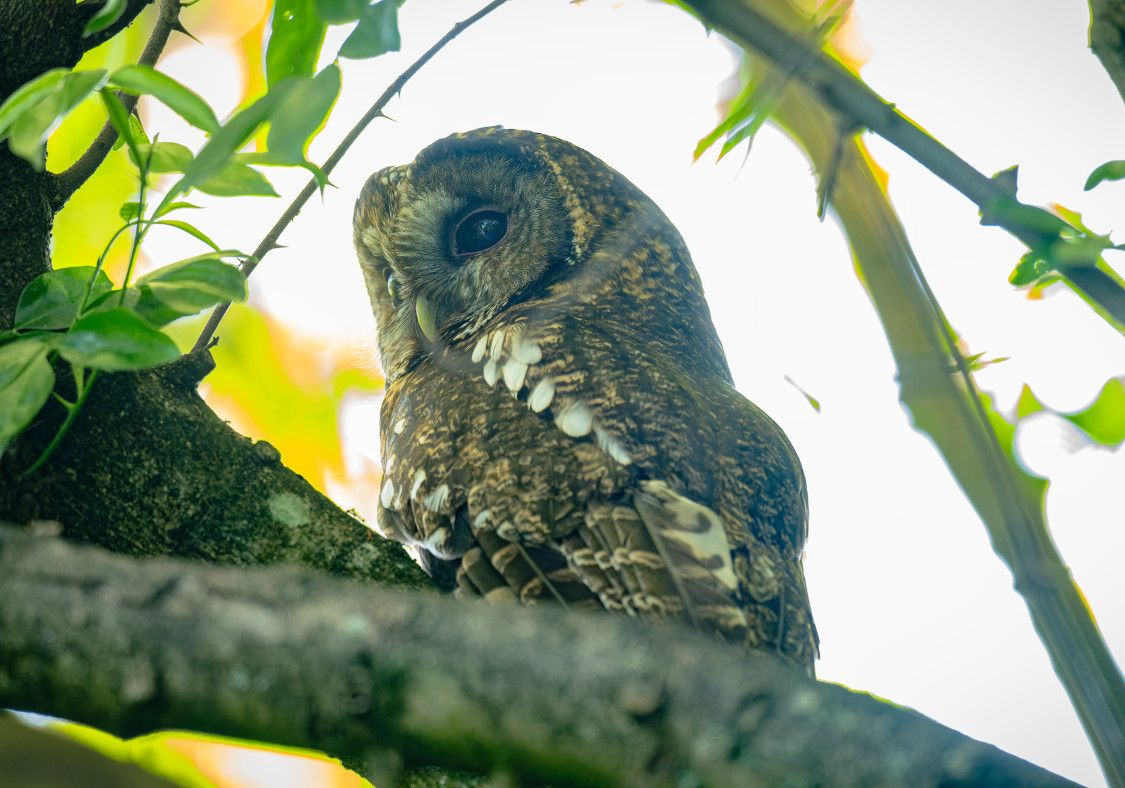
(238, 180)
(267, 159)
(129, 210)
(116, 340)
(162, 156)
(52, 300)
(1104, 420)
(296, 35)
(336, 12)
(109, 13)
(140, 300)
(376, 33)
(191, 230)
(1028, 403)
(137, 130)
(30, 129)
(28, 95)
(120, 119)
(175, 206)
(181, 99)
(1110, 171)
(1030, 267)
(195, 284)
(217, 153)
(302, 113)
(26, 381)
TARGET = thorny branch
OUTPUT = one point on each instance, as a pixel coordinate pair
(269, 242)
(66, 183)
(862, 107)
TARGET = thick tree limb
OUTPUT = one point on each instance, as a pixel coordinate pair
(1107, 38)
(149, 469)
(69, 181)
(288, 656)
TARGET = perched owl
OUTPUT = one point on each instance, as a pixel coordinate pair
(560, 422)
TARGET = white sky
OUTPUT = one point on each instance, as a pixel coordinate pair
(911, 603)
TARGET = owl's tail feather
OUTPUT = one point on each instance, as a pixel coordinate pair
(691, 540)
(532, 572)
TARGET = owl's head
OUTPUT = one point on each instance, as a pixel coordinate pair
(483, 221)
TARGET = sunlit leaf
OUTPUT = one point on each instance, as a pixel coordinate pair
(217, 153)
(109, 13)
(175, 206)
(29, 94)
(237, 180)
(336, 12)
(1104, 420)
(1110, 171)
(52, 300)
(267, 159)
(376, 33)
(181, 99)
(1007, 211)
(1030, 267)
(137, 130)
(116, 340)
(31, 127)
(129, 210)
(26, 381)
(162, 156)
(302, 113)
(191, 230)
(120, 119)
(193, 285)
(1028, 403)
(296, 35)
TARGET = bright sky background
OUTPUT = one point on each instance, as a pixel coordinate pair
(911, 603)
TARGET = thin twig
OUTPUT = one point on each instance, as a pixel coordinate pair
(67, 182)
(132, 10)
(269, 242)
(861, 106)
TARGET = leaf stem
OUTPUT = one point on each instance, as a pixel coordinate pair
(82, 386)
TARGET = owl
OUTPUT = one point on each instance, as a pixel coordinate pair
(560, 424)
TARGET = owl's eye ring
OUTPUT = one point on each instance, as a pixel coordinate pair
(479, 231)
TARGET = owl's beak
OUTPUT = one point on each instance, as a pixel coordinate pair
(427, 317)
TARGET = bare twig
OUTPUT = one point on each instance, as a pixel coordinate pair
(1107, 38)
(553, 697)
(132, 10)
(861, 106)
(67, 182)
(269, 242)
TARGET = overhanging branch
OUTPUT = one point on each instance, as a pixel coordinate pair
(292, 657)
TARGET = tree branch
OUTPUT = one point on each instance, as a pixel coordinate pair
(132, 10)
(69, 181)
(270, 241)
(849, 96)
(1107, 38)
(291, 657)
(149, 470)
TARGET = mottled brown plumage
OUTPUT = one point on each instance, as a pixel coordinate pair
(560, 423)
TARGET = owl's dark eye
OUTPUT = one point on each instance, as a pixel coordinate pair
(479, 231)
